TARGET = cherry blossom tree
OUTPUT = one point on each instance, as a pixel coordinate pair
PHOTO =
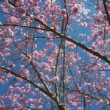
(54, 54)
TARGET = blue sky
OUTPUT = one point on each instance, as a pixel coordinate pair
(3, 88)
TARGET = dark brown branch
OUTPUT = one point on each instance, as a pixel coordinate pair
(73, 41)
(68, 39)
(106, 11)
(35, 85)
(17, 25)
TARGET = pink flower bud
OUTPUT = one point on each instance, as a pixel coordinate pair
(55, 79)
(63, 12)
(21, 10)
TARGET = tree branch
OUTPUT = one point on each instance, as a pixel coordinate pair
(106, 11)
(97, 54)
(35, 85)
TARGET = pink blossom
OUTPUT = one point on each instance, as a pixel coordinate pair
(50, 61)
(22, 67)
(84, 24)
(1, 35)
(94, 46)
(22, 44)
(108, 94)
(47, 70)
(7, 41)
(73, 103)
(71, 45)
(10, 64)
(22, 90)
(11, 88)
(108, 7)
(21, 10)
(97, 20)
(86, 11)
(75, 9)
(108, 30)
(38, 0)
(51, 44)
(26, 72)
(14, 20)
(25, 58)
(101, 33)
(19, 1)
(40, 101)
(31, 92)
(47, 77)
(63, 11)
(32, 17)
(101, 101)
(39, 58)
(55, 79)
